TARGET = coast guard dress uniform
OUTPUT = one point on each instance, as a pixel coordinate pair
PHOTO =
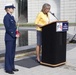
(10, 41)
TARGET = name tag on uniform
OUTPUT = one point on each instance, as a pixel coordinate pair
(11, 20)
(11, 32)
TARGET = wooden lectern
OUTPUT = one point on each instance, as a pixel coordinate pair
(54, 43)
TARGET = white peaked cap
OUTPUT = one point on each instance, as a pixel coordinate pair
(9, 5)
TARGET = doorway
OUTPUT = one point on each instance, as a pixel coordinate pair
(23, 11)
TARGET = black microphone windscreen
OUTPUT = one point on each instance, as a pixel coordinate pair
(52, 13)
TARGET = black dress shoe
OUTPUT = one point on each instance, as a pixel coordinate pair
(10, 72)
(15, 70)
(38, 61)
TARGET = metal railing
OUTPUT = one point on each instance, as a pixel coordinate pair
(27, 40)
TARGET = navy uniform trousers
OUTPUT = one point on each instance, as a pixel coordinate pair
(10, 41)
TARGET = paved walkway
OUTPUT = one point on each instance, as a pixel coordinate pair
(28, 66)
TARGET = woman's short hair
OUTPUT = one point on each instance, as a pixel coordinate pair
(46, 5)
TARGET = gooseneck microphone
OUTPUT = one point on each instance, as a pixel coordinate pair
(54, 15)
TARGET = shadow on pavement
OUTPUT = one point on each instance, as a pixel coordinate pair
(27, 62)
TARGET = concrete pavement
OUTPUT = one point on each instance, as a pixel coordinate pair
(28, 66)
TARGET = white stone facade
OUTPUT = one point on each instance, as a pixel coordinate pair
(2, 11)
(35, 6)
(68, 10)
(63, 9)
(2, 42)
(32, 37)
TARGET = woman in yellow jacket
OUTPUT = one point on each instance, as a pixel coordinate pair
(42, 19)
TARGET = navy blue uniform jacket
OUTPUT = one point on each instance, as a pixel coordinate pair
(10, 26)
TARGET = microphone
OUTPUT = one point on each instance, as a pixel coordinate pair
(54, 15)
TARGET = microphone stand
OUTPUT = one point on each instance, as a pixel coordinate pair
(54, 15)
